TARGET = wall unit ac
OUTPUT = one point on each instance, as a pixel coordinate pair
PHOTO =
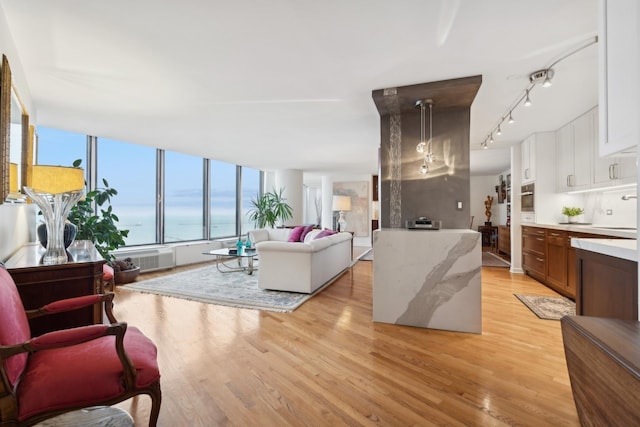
(149, 259)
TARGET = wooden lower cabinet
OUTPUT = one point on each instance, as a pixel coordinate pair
(607, 286)
(547, 256)
(534, 252)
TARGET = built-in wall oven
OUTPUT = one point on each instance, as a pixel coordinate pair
(527, 198)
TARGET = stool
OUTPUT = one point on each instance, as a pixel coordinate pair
(108, 278)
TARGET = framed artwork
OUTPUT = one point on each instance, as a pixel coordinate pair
(501, 189)
(358, 217)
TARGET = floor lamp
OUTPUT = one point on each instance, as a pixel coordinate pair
(342, 204)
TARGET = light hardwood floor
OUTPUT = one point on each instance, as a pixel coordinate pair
(328, 364)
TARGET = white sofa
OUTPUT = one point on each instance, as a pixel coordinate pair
(299, 266)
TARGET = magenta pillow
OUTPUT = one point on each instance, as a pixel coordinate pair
(306, 231)
(295, 234)
(324, 233)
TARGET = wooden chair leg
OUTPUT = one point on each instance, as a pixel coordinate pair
(156, 399)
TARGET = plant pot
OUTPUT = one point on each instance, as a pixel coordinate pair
(70, 231)
(572, 219)
(127, 276)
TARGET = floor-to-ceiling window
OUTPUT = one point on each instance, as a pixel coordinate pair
(223, 199)
(250, 191)
(183, 197)
(131, 170)
(135, 171)
(60, 148)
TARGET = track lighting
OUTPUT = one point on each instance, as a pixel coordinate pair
(541, 77)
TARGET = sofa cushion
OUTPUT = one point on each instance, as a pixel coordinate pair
(296, 234)
(311, 235)
(324, 233)
(306, 231)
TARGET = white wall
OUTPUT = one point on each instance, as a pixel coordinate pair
(15, 219)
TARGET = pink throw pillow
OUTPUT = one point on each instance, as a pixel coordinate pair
(295, 234)
(306, 231)
(324, 233)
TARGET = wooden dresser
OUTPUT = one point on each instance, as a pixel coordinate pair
(41, 284)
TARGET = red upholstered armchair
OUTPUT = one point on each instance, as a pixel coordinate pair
(66, 370)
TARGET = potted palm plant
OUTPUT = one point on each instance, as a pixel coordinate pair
(269, 208)
(99, 225)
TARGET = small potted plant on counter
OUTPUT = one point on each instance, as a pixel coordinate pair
(572, 213)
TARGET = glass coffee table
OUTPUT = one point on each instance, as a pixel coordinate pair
(223, 254)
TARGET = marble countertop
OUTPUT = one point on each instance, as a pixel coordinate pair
(619, 248)
(604, 230)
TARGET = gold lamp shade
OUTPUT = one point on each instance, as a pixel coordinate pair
(57, 179)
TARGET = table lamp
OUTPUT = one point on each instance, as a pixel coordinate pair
(55, 189)
(342, 204)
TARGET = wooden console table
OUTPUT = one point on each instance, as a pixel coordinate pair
(41, 284)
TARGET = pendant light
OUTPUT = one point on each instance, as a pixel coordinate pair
(425, 147)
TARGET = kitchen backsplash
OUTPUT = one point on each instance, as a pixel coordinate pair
(623, 212)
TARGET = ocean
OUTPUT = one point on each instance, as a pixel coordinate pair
(180, 224)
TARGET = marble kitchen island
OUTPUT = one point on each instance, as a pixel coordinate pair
(428, 278)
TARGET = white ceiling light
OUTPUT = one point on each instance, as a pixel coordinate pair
(527, 101)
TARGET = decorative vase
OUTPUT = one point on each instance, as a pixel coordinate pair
(572, 219)
(70, 231)
(247, 243)
(240, 246)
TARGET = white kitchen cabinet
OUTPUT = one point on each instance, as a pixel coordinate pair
(611, 171)
(529, 159)
(574, 143)
(619, 49)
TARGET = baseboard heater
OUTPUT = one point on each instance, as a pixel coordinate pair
(149, 259)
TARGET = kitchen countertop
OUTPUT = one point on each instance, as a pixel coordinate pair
(619, 248)
(628, 233)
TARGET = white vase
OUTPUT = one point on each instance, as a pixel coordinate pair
(572, 219)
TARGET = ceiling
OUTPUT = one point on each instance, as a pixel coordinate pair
(287, 84)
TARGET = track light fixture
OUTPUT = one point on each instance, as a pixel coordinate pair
(425, 147)
(527, 101)
(541, 77)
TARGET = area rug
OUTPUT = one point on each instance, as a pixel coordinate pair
(492, 260)
(550, 308)
(208, 285)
